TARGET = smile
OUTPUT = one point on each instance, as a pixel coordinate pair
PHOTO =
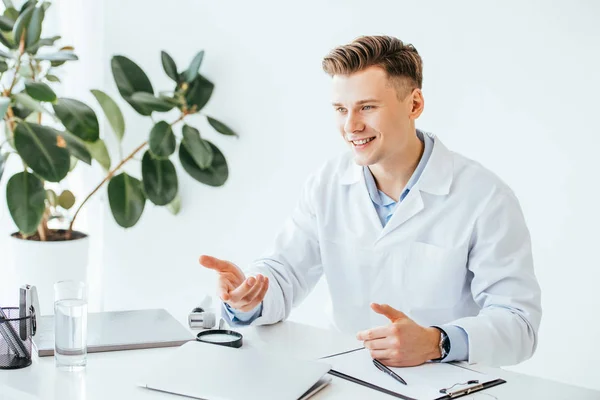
(362, 141)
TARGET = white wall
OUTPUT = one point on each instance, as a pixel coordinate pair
(511, 84)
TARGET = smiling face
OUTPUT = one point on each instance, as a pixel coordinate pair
(376, 115)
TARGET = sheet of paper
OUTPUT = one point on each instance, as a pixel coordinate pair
(9, 393)
(423, 381)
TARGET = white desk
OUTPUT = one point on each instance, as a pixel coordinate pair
(113, 376)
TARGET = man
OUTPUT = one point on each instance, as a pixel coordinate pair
(426, 253)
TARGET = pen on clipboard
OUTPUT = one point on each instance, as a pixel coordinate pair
(388, 371)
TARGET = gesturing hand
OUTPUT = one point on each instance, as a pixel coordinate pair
(403, 343)
(241, 293)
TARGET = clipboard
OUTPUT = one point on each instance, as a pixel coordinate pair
(356, 367)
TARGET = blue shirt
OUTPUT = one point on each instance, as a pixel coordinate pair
(385, 207)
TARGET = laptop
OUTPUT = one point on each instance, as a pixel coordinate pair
(208, 371)
(119, 330)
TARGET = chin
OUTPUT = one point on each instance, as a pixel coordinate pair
(362, 160)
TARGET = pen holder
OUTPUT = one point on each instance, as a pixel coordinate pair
(15, 339)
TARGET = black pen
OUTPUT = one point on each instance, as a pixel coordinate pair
(388, 371)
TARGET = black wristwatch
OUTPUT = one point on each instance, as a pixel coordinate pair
(444, 344)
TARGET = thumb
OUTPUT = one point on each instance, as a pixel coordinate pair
(218, 265)
(389, 312)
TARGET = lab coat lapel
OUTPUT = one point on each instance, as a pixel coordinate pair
(360, 202)
(408, 208)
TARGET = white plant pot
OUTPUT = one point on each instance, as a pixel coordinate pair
(44, 263)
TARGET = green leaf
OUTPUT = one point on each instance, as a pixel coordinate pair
(4, 103)
(40, 91)
(6, 41)
(148, 100)
(21, 23)
(41, 150)
(25, 197)
(175, 206)
(11, 13)
(26, 5)
(3, 158)
(112, 112)
(99, 153)
(4, 54)
(52, 78)
(169, 66)
(41, 43)
(78, 118)
(29, 103)
(76, 146)
(6, 24)
(3, 66)
(220, 127)
(66, 199)
(192, 72)
(198, 148)
(215, 175)
(74, 162)
(21, 111)
(34, 28)
(199, 92)
(59, 56)
(162, 140)
(130, 78)
(160, 179)
(126, 199)
(51, 197)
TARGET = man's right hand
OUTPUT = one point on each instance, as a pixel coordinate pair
(241, 293)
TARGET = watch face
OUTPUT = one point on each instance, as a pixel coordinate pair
(445, 344)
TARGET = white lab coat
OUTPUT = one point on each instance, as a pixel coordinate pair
(456, 251)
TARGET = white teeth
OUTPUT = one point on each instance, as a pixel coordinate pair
(359, 142)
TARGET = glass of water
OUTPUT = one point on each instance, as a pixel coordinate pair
(70, 325)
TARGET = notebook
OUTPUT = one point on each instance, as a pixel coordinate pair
(423, 382)
(207, 371)
(119, 330)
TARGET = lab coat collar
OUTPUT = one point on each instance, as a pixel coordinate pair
(435, 179)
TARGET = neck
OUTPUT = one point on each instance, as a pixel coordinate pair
(392, 175)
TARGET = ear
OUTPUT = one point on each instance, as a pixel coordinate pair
(417, 103)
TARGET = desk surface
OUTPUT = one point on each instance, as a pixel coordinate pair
(114, 375)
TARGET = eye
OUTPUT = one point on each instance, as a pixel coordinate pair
(367, 108)
(340, 109)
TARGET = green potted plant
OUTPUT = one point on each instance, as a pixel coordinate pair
(52, 135)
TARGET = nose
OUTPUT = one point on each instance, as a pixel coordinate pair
(353, 124)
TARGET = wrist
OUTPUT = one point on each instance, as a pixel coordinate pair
(434, 336)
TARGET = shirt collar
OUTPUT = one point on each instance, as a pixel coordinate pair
(436, 177)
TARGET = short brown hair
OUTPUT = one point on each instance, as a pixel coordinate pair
(391, 54)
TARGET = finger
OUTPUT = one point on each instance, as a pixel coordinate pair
(237, 294)
(379, 344)
(381, 355)
(255, 289)
(375, 333)
(261, 294)
(218, 265)
(224, 288)
(391, 313)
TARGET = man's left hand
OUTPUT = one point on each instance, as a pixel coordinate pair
(403, 343)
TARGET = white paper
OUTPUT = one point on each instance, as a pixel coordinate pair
(423, 381)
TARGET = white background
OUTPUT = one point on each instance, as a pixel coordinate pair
(511, 84)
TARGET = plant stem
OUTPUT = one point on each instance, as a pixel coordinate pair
(43, 227)
(108, 176)
(181, 117)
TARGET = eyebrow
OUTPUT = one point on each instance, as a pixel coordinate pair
(358, 103)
